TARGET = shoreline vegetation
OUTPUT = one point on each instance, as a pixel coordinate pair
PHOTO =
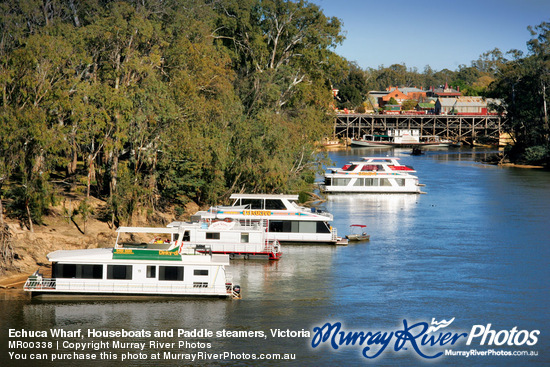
(126, 113)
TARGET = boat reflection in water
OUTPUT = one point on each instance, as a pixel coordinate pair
(384, 214)
(132, 315)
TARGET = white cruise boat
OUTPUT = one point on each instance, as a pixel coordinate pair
(286, 220)
(372, 175)
(136, 268)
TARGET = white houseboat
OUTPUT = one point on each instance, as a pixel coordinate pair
(372, 175)
(248, 240)
(400, 138)
(136, 268)
(287, 221)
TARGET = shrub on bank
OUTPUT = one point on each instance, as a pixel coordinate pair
(535, 155)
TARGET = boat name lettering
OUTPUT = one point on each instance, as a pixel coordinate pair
(168, 253)
(256, 212)
(124, 251)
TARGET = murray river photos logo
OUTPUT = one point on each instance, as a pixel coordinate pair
(426, 340)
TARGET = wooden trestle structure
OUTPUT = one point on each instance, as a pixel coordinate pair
(465, 128)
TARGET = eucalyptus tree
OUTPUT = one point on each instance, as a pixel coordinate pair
(39, 76)
(282, 52)
(352, 88)
(522, 84)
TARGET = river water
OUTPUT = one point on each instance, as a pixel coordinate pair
(474, 248)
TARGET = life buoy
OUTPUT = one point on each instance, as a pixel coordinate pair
(228, 220)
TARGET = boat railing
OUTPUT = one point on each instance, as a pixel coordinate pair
(120, 286)
(272, 246)
(239, 247)
(321, 212)
(206, 249)
(38, 283)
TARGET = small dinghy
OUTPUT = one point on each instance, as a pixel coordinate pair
(358, 233)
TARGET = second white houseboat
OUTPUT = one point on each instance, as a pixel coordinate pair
(287, 221)
(372, 175)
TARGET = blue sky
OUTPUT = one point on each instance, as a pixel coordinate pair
(442, 34)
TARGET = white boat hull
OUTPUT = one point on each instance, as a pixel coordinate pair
(371, 190)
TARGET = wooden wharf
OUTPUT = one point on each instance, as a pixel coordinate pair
(464, 128)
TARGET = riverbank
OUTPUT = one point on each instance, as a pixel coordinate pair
(11, 287)
(501, 161)
(60, 231)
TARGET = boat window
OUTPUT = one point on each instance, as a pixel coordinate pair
(79, 271)
(370, 182)
(200, 285)
(274, 204)
(64, 270)
(340, 181)
(186, 236)
(323, 227)
(212, 235)
(151, 271)
(359, 182)
(369, 167)
(253, 203)
(171, 273)
(351, 167)
(284, 226)
(200, 272)
(308, 227)
(244, 237)
(119, 271)
(400, 181)
(275, 226)
(385, 182)
(90, 271)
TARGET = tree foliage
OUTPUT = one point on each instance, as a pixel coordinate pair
(148, 103)
(523, 84)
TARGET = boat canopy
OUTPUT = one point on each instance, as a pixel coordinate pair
(263, 196)
(148, 229)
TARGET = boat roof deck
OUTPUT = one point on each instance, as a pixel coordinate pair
(167, 230)
(380, 158)
(105, 255)
(263, 196)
